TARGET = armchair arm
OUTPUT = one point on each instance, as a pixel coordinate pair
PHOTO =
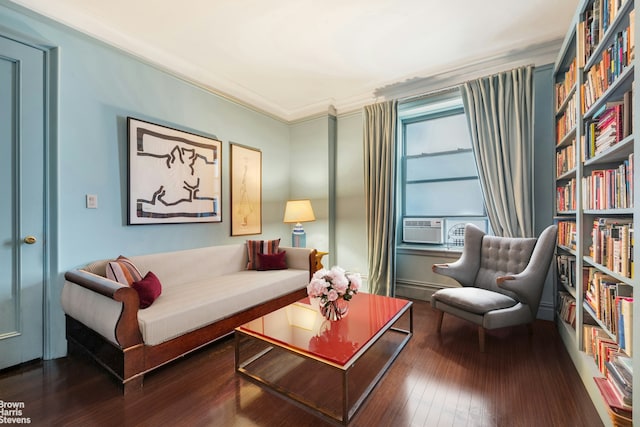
(439, 268)
(464, 270)
(528, 284)
(103, 305)
(523, 285)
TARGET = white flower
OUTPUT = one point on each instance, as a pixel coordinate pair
(330, 285)
(355, 281)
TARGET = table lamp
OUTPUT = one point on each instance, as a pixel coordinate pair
(298, 211)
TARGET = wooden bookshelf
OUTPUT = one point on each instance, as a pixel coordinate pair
(594, 99)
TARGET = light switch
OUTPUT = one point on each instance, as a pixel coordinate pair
(92, 201)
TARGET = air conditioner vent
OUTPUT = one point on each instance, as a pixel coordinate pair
(422, 230)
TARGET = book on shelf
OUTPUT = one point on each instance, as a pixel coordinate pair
(611, 302)
(623, 310)
(566, 159)
(614, 60)
(611, 244)
(626, 329)
(623, 389)
(580, 54)
(564, 87)
(567, 234)
(567, 308)
(566, 196)
(627, 113)
(604, 347)
(610, 396)
(566, 266)
(608, 126)
(567, 120)
(632, 29)
(624, 365)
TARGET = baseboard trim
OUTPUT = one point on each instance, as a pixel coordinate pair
(416, 289)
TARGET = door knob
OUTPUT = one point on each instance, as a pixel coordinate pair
(30, 240)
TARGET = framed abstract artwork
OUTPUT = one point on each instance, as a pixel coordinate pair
(174, 176)
(246, 190)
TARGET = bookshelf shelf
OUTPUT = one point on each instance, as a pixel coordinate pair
(567, 249)
(616, 153)
(590, 261)
(596, 277)
(567, 175)
(565, 214)
(593, 315)
(615, 91)
(565, 103)
(608, 212)
(566, 140)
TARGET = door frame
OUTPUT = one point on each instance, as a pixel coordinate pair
(51, 56)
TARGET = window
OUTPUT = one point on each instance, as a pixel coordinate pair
(439, 173)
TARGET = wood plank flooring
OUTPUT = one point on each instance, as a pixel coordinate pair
(521, 380)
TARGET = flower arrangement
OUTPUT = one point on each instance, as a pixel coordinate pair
(330, 286)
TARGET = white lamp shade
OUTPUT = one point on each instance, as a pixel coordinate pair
(298, 211)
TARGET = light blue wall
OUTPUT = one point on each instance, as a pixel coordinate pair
(310, 178)
(98, 87)
(351, 231)
(544, 172)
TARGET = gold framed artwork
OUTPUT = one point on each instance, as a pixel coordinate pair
(246, 190)
(174, 176)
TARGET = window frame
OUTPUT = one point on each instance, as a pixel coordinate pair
(430, 108)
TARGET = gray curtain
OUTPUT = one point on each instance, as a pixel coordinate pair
(379, 181)
(499, 112)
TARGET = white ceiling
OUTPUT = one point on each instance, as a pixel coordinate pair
(295, 58)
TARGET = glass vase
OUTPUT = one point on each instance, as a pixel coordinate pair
(335, 310)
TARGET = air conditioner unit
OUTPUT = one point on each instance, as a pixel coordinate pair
(422, 230)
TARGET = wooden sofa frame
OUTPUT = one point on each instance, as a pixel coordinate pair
(132, 359)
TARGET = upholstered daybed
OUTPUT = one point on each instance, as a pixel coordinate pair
(205, 294)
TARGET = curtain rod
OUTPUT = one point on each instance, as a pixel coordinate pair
(440, 91)
(456, 86)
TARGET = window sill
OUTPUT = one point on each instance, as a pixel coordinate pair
(428, 250)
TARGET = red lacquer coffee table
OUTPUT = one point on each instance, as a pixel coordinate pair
(327, 367)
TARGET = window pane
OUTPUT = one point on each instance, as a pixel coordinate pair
(435, 199)
(446, 133)
(445, 166)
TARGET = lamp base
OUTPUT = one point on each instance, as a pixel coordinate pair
(298, 237)
(299, 240)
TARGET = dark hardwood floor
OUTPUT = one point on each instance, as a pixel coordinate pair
(520, 380)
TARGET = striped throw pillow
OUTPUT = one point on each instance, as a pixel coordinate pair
(255, 247)
(123, 271)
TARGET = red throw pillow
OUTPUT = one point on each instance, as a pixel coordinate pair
(255, 247)
(272, 261)
(149, 288)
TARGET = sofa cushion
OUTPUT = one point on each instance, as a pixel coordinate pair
(474, 300)
(149, 289)
(190, 265)
(255, 247)
(272, 261)
(123, 271)
(189, 306)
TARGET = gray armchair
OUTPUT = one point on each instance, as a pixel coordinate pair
(502, 280)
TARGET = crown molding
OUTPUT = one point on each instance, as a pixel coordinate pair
(537, 55)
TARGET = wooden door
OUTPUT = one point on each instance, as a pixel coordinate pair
(22, 168)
